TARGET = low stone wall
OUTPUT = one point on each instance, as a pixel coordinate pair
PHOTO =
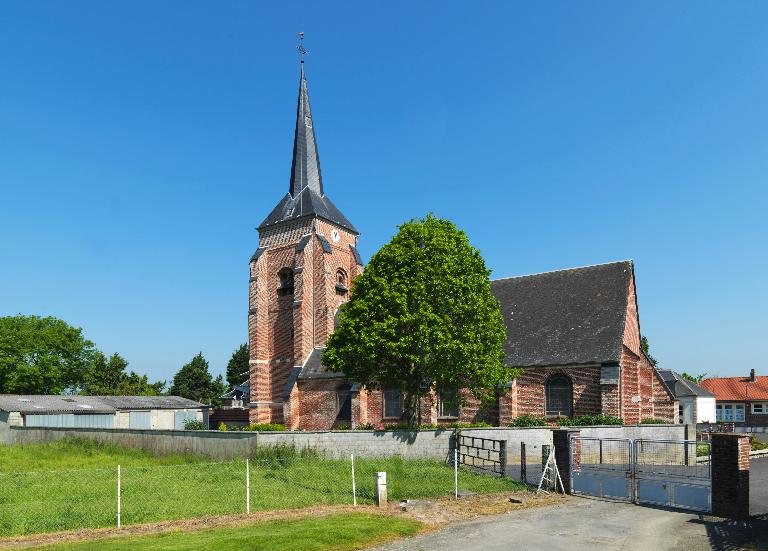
(434, 444)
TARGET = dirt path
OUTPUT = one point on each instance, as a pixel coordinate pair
(433, 513)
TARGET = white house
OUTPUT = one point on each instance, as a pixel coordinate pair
(696, 405)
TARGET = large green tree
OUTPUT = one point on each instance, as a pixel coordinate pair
(42, 355)
(194, 381)
(237, 367)
(422, 317)
(109, 377)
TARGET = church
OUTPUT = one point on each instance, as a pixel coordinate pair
(576, 332)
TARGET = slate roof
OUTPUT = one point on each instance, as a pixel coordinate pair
(305, 193)
(313, 368)
(573, 316)
(55, 403)
(680, 387)
(738, 389)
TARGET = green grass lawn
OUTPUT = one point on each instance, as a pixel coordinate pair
(334, 532)
(46, 494)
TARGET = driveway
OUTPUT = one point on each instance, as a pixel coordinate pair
(591, 524)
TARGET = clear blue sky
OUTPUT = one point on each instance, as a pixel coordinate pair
(142, 142)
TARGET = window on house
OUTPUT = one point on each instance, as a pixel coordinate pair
(760, 408)
(448, 403)
(393, 404)
(286, 282)
(343, 405)
(680, 414)
(729, 412)
(559, 396)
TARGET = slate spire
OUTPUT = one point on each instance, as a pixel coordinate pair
(305, 195)
(305, 168)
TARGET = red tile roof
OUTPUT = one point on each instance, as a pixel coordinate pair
(737, 388)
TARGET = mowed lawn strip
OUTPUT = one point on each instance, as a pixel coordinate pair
(337, 532)
(179, 487)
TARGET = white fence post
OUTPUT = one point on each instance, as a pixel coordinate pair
(456, 472)
(247, 485)
(354, 490)
(118, 496)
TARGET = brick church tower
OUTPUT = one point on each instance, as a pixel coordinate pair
(299, 275)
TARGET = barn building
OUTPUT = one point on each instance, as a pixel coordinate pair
(104, 412)
(576, 332)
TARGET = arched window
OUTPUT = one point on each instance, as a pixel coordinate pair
(286, 282)
(559, 396)
(341, 281)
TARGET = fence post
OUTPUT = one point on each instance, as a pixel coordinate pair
(354, 489)
(118, 496)
(456, 473)
(561, 438)
(247, 485)
(503, 458)
(730, 475)
(523, 469)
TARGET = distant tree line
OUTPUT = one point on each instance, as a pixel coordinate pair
(45, 355)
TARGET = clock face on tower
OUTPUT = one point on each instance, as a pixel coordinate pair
(335, 236)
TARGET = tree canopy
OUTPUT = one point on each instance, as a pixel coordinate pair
(238, 367)
(694, 378)
(109, 377)
(194, 381)
(422, 317)
(646, 348)
(42, 355)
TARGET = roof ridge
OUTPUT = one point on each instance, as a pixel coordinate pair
(566, 269)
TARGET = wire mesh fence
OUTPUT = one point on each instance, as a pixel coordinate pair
(47, 501)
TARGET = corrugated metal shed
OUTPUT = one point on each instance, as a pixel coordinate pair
(44, 403)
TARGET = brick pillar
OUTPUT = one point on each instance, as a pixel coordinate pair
(730, 475)
(560, 439)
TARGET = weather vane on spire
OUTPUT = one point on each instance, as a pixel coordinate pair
(300, 47)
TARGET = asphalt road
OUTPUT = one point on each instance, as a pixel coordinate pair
(584, 524)
(758, 486)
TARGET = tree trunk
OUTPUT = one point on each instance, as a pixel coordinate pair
(412, 408)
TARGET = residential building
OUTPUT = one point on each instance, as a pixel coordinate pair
(740, 400)
(696, 404)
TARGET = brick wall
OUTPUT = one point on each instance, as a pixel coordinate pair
(586, 390)
(730, 475)
(283, 330)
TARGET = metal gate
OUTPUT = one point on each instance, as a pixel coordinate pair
(673, 473)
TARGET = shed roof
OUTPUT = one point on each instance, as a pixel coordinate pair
(149, 402)
(53, 403)
(573, 316)
(57, 403)
(313, 368)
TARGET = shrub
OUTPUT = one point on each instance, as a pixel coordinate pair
(757, 445)
(478, 425)
(341, 425)
(528, 421)
(588, 420)
(194, 424)
(222, 425)
(366, 426)
(653, 421)
(264, 427)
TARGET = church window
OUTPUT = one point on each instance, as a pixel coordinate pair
(448, 403)
(393, 403)
(559, 396)
(286, 282)
(341, 281)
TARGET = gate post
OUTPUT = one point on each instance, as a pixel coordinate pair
(561, 439)
(730, 475)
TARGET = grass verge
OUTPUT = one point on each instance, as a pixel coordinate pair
(337, 532)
